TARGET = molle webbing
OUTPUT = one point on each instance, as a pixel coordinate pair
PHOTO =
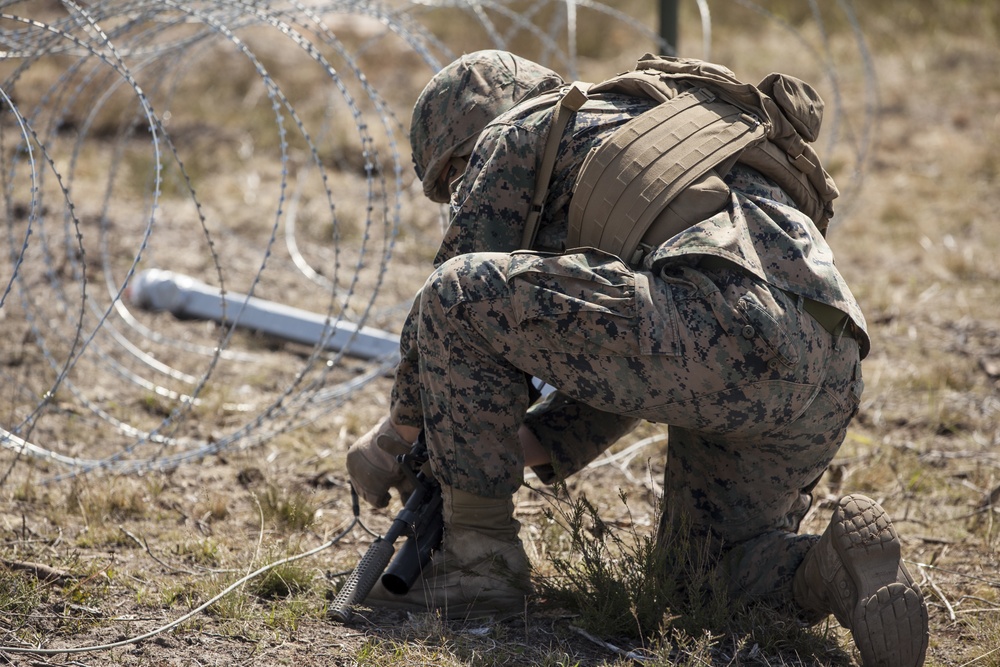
(626, 183)
(661, 171)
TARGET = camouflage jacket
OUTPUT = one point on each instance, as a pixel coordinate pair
(760, 230)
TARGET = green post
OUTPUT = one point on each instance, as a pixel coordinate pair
(668, 22)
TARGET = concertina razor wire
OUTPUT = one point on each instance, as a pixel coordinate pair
(259, 148)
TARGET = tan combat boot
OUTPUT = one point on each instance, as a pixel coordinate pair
(480, 569)
(856, 573)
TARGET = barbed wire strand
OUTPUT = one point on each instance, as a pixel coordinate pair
(110, 337)
(148, 49)
(190, 614)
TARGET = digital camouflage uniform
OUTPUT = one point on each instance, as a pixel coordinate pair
(707, 336)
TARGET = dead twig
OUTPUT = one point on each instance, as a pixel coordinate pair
(940, 594)
(631, 655)
(984, 655)
(40, 571)
(964, 575)
(142, 543)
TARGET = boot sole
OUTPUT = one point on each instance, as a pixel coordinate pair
(889, 622)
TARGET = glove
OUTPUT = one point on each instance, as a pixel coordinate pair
(372, 465)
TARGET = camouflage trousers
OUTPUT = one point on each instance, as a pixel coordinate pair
(757, 396)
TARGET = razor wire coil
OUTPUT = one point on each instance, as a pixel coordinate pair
(116, 116)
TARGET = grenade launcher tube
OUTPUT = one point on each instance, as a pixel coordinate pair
(415, 553)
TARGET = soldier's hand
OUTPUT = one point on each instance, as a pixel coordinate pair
(372, 465)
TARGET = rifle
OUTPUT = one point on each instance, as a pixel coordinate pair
(420, 520)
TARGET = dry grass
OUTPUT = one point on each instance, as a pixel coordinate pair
(127, 554)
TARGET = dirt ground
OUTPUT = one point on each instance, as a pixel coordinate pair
(239, 438)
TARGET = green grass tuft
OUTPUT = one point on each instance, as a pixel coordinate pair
(282, 581)
(662, 593)
(288, 509)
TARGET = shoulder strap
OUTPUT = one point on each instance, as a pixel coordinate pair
(567, 105)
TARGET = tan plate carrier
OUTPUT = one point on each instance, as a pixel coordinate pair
(626, 182)
(706, 121)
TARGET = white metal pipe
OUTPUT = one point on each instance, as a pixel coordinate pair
(184, 296)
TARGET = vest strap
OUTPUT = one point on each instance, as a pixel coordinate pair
(567, 105)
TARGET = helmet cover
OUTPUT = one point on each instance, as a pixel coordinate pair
(460, 101)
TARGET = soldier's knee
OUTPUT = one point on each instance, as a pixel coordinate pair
(466, 278)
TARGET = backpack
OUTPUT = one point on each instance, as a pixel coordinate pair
(662, 171)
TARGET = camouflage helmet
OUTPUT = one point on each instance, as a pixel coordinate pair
(460, 100)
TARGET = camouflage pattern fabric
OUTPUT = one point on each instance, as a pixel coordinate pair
(756, 394)
(504, 164)
(573, 433)
(708, 336)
